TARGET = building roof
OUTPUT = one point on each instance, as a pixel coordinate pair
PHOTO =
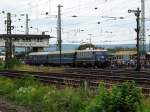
(125, 53)
(24, 36)
(102, 50)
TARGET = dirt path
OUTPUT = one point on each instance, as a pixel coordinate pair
(10, 107)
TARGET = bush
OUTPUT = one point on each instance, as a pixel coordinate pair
(11, 63)
(64, 100)
(29, 95)
(124, 98)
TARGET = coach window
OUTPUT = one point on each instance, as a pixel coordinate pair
(52, 56)
(81, 54)
(29, 39)
(114, 58)
(120, 57)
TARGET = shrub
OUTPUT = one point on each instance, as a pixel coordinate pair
(124, 98)
(29, 95)
(64, 100)
(11, 63)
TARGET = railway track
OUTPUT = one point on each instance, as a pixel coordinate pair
(92, 79)
(103, 71)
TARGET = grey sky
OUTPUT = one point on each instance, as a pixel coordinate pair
(122, 30)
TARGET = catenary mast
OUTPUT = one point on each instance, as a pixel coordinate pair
(143, 40)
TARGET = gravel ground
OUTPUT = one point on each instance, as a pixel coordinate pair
(6, 106)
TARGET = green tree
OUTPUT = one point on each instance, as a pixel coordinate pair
(85, 46)
(121, 49)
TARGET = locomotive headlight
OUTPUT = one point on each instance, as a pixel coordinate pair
(102, 57)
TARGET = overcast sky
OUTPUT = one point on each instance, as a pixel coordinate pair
(76, 30)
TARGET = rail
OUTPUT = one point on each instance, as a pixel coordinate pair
(78, 79)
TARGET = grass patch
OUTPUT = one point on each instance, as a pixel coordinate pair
(15, 64)
(40, 98)
(146, 104)
(39, 68)
(1, 64)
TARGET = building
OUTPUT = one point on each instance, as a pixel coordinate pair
(123, 58)
(35, 42)
(124, 55)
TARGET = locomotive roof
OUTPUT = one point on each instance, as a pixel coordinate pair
(90, 50)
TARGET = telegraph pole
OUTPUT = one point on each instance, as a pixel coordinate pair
(50, 6)
(137, 14)
(149, 43)
(8, 43)
(59, 40)
(90, 40)
(27, 49)
(27, 24)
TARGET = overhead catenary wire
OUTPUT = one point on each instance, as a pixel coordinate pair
(70, 10)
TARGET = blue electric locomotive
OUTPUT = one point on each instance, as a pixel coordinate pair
(99, 58)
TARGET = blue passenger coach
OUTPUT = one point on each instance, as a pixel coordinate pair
(67, 58)
(37, 58)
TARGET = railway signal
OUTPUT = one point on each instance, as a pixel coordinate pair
(137, 14)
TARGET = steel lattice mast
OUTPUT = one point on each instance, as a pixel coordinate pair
(143, 40)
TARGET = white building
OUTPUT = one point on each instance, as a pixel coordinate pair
(36, 42)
